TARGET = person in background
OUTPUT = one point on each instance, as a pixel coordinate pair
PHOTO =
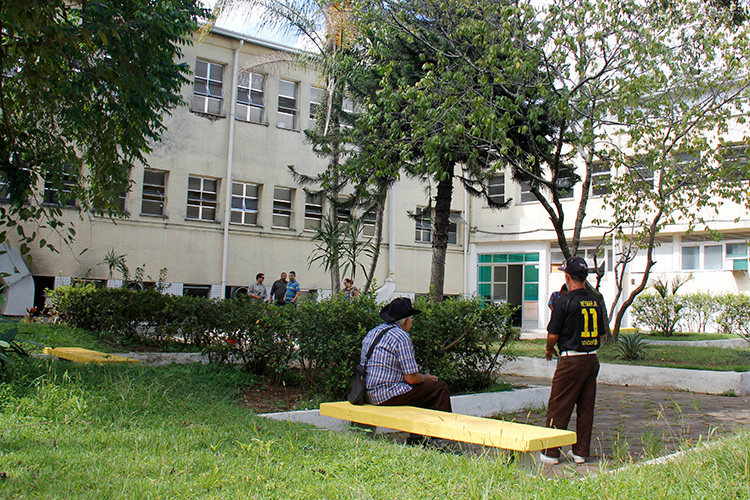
(350, 291)
(556, 295)
(257, 291)
(575, 327)
(292, 290)
(278, 290)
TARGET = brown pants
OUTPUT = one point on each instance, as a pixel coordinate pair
(574, 384)
(428, 394)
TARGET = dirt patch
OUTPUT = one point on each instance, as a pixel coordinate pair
(270, 398)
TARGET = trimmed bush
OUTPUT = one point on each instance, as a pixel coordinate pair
(452, 339)
(657, 313)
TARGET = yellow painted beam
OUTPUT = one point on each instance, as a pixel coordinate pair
(463, 428)
(80, 355)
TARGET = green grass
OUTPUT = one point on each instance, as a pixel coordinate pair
(692, 357)
(691, 336)
(93, 432)
(50, 335)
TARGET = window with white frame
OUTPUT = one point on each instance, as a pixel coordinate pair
(423, 228)
(686, 167)
(250, 104)
(714, 256)
(343, 211)
(496, 188)
(593, 256)
(62, 196)
(245, 203)
(287, 115)
(600, 176)
(347, 108)
(369, 219)
(317, 98)
(154, 197)
(735, 159)
(202, 198)
(283, 207)
(313, 211)
(641, 175)
(208, 93)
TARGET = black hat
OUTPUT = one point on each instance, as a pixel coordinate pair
(575, 266)
(399, 308)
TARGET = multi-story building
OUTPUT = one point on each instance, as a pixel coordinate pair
(218, 205)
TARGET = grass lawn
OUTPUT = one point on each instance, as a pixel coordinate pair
(699, 358)
(691, 336)
(91, 432)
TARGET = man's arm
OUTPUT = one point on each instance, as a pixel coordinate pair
(550, 351)
(418, 378)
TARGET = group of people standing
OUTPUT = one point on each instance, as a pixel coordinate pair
(283, 292)
(574, 333)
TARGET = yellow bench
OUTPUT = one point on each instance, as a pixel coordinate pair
(513, 436)
(80, 355)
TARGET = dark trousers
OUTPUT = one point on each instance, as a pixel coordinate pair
(574, 384)
(429, 394)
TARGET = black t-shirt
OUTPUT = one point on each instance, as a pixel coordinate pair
(578, 320)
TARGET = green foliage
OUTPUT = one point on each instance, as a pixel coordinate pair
(734, 317)
(85, 90)
(700, 310)
(9, 341)
(631, 346)
(453, 338)
(660, 314)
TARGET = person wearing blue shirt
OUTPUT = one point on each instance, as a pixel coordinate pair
(292, 290)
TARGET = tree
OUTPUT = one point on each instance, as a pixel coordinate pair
(84, 87)
(412, 123)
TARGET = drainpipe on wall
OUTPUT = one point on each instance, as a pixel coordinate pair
(467, 218)
(392, 233)
(228, 182)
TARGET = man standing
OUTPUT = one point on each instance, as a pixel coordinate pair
(575, 327)
(278, 290)
(292, 290)
(393, 377)
(257, 291)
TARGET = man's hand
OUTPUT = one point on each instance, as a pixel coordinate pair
(550, 353)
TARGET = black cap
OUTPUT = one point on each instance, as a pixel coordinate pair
(575, 266)
(399, 308)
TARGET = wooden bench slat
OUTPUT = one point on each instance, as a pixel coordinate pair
(452, 426)
(81, 355)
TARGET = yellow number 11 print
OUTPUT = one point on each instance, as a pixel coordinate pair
(590, 319)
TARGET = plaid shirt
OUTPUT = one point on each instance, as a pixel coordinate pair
(392, 358)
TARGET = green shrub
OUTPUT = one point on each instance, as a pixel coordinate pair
(658, 313)
(734, 317)
(452, 339)
(700, 310)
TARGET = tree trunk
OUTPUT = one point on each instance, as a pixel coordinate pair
(440, 225)
(378, 240)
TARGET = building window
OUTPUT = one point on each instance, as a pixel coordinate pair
(713, 257)
(423, 228)
(154, 193)
(496, 189)
(737, 256)
(196, 290)
(208, 93)
(313, 211)
(4, 191)
(526, 195)
(347, 108)
(735, 160)
(64, 197)
(600, 176)
(245, 202)
(317, 98)
(642, 176)
(423, 232)
(344, 212)
(250, 97)
(202, 198)
(369, 220)
(591, 255)
(283, 207)
(287, 117)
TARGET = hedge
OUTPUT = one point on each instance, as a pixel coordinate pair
(453, 339)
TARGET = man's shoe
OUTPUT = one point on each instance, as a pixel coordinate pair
(548, 460)
(576, 458)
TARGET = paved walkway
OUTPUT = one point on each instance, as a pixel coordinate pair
(632, 424)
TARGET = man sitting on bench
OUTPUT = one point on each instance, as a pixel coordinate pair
(393, 377)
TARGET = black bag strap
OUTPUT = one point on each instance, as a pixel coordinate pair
(375, 342)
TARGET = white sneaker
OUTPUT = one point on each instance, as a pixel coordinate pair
(548, 460)
(576, 458)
